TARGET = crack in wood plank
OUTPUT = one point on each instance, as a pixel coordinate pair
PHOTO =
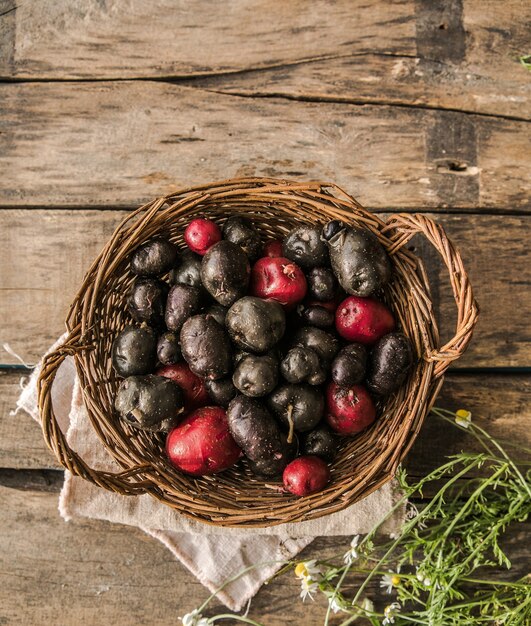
(355, 101)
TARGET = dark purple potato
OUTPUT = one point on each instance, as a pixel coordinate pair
(221, 391)
(134, 351)
(348, 368)
(206, 347)
(257, 432)
(271, 467)
(255, 324)
(322, 284)
(218, 312)
(154, 258)
(330, 229)
(256, 376)
(388, 364)
(187, 271)
(302, 365)
(183, 302)
(169, 349)
(299, 407)
(319, 340)
(321, 442)
(225, 272)
(241, 231)
(316, 315)
(359, 261)
(303, 246)
(150, 402)
(147, 299)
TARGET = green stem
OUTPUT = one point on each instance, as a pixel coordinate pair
(238, 618)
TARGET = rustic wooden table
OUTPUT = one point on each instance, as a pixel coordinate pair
(411, 105)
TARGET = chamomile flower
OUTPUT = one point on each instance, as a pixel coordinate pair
(367, 605)
(308, 588)
(307, 569)
(412, 512)
(463, 418)
(425, 580)
(194, 618)
(394, 536)
(391, 580)
(352, 554)
(308, 572)
(335, 604)
(390, 612)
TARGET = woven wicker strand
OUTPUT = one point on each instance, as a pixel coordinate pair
(235, 497)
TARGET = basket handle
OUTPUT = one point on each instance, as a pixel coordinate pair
(122, 482)
(400, 228)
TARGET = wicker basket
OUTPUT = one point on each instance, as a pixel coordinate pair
(235, 497)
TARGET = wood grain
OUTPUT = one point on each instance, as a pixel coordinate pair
(121, 143)
(499, 403)
(93, 572)
(385, 79)
(117, 39)
(454, 54)
(57, 246)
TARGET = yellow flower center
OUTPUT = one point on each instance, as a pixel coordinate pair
(395, 580)
(300, 570)
(463, 414)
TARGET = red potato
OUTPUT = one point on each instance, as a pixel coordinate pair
(273, 248)
(278, 278)
(194, 390)
(201, 234)
(202, 444)
(349, 410)
(363, 320)
(306, 475)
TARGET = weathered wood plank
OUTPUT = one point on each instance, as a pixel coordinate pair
(94, 572)
(369, 79)
(116, 39)
(458, 54)
(499, 403)
(121, 143)
(44, 254)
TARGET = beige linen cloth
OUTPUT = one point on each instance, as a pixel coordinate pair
(212, 554)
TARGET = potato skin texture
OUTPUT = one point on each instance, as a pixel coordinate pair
(306, 402)
(225, 272)
(183, 301)
(363, 320)
(201, 445)
(359, 261)
(154, 258)
(243, 233)
(134, 351)
(273, 467)
(221, 391)
(303, 245)
(149, 402)
(306, 475)
(146, 300)
(322, 442)
(255, 324)
(206, 347)
(319, 340)
(348, 368)
(255, 430)
(349, 409)
(389, 362)
(255, 375)
(188, 271)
